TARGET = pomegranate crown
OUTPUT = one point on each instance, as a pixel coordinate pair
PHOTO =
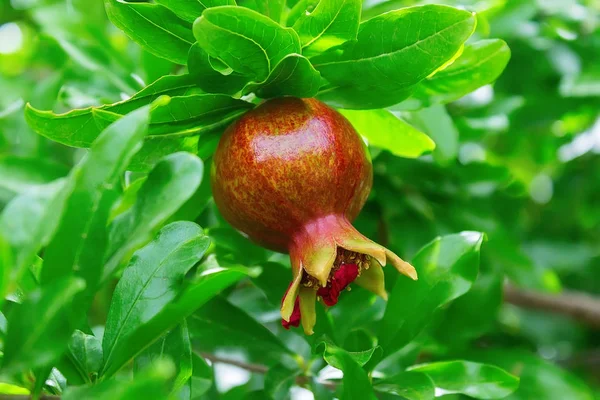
(327, 255)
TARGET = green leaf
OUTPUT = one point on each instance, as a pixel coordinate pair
(195, 114)
(152, 383)
(438, 124)
(81, 239)
(177, 123)
(278, 381)
(168, 85)
(8, 389)
(273, 280)
(479, 381)
(355, 383)
(156, 148)
(221, 322)
(481, 63)
(410, 385)
(128, 198)
(330, 24)
(233, 247)
(390, 56)
(212, 81)
(38, 329)
(176, 346)
(383, 129)
(462, 322)
(154, 27)
(85, 351)
(539, 379)
(447, 268)
(298, 9)
(28, 223)
(189, 10)
(22, 174)
(200, 382)
(207, 285)
(270, 8)
(6, 267)
(197, 203)
(293, 76)
(246, 41)
(77, 128)
(152, 280)
(332, 352)
(170, 184)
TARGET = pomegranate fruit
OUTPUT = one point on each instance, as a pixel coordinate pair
(292, 174)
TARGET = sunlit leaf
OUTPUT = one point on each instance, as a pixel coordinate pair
(383, 129)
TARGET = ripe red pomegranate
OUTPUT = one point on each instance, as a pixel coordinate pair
(292, 174)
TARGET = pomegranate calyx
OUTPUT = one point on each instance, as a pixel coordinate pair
(294, 319)
(327, 255)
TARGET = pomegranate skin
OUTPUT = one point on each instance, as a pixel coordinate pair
(285, 163)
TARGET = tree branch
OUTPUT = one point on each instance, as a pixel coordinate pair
(579, 306)
(257, 368)
(262, 369)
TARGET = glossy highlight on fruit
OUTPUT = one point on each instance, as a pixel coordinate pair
(292, 174)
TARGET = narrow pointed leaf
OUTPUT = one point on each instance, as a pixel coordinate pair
(77, 128)
(28, 223)
(201, 289)
(174, 345)
(39, 329)
(81, 238)
(170, 184)
(151, 281)
(6, 265)
(200, 381)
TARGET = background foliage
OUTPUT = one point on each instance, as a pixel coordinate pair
(194, 313)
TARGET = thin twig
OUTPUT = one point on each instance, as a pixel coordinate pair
(262, 369)
(579, 306)
(259, 369)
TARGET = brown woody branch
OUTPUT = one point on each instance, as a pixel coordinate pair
(262, 369)
(579, 306)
